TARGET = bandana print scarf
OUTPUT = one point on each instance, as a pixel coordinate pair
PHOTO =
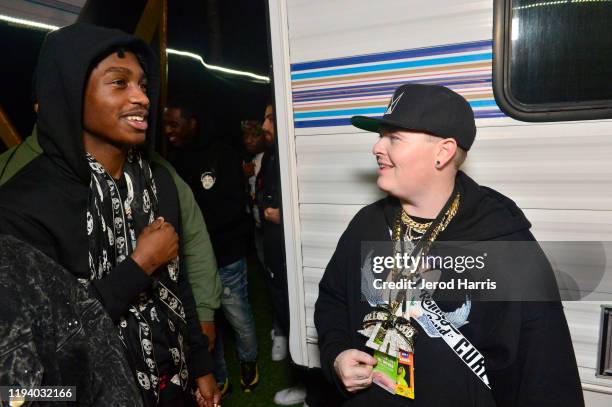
(112, 227)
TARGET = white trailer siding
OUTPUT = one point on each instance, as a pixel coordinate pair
(329, 63)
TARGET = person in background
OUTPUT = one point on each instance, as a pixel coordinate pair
(255, 145)
(215, 174)
(312, 388)
(268, 201)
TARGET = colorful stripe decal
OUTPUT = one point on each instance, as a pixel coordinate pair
(487, 56)
(389, 56)
(328, 93)
(58, 5)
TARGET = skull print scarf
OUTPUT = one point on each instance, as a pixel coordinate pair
(113, 223)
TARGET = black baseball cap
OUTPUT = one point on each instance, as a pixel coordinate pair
(431, 109)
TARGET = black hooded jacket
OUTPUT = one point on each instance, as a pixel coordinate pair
(222, 200)
(526, 344)
(45, 204)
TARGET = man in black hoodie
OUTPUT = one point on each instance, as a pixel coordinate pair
(93, 203)
(483, 347)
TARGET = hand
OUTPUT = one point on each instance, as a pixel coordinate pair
(208, 329)
(157, 245)
(249, 169)
(208, 394)
(354, 368)
(272, 215)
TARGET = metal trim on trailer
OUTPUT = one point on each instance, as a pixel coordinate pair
(283, 112)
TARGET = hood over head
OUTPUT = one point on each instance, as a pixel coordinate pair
(64, 64)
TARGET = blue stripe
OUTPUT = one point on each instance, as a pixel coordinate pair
(342, 112)
(346, 121)
(482, 103)
(323, 123)
(487, 114)
(373, 110)
(387, 56)
(347, 95)
(394, 65)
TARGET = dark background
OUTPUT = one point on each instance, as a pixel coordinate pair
(232, 34)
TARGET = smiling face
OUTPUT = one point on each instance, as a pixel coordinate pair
(406, 162)
(115, 106)
(178, 129)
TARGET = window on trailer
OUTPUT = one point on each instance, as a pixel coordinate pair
(553, 59)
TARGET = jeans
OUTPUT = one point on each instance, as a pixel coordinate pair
(237, 310)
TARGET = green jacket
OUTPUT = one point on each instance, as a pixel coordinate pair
(198, 255)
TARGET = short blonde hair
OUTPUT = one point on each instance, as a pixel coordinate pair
(459, 157)
(460, 154)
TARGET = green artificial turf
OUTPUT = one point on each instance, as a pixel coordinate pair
(273, 376)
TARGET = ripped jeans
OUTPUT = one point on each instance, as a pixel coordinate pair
(237, 310)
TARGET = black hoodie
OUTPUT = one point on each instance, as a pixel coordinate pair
(222, 201)
(526, 345)
(45, 204)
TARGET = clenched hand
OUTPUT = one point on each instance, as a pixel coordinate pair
(272, 215)
(157, 245)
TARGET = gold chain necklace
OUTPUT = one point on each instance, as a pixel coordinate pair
(448, 216)
(422, 227)
(417, 226)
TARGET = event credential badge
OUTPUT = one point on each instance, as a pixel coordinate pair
(391, 336)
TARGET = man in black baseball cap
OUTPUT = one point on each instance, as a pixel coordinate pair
(431, 109)
(426, 132)
(466, 351)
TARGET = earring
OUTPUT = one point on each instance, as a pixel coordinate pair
(437, 163)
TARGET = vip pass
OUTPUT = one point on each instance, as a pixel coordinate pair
(16, 394)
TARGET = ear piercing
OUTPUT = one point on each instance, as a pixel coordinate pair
(437, 163)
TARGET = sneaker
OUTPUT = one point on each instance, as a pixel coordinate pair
(279, 347)
(249, 376)
(225, 387)
(290, 396)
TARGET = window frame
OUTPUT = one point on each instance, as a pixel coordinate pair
(604, 353)
(502, 23)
